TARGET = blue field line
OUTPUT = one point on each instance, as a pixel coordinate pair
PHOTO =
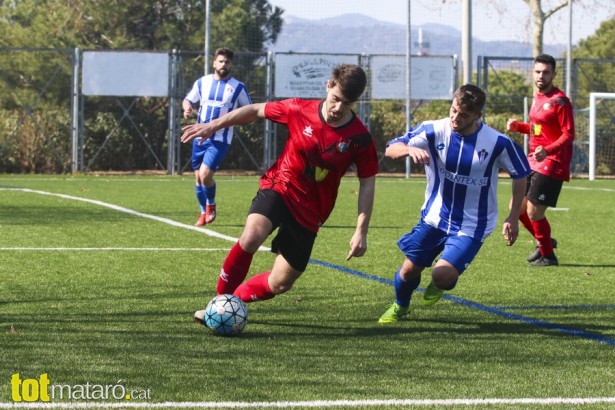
(493, 310)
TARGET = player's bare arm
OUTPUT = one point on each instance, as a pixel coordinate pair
(358, 242)
(400, 150)
(187, 106)
(243, 115)
(510, 228)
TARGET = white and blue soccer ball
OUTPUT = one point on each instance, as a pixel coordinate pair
(226, 315)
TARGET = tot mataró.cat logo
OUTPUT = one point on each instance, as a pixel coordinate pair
(41, 389)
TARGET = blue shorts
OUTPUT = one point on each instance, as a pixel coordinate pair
(211, 153)
(424, 243)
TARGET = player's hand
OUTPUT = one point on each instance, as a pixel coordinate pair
(418, 155)
(540, 153)
(510, 231)
(193, 131)
(188, 112)
(512, 125)
(358, 246)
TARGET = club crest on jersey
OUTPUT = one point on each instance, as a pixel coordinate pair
(342, 147)
(482, 155)
(440, 146)
(546, 106)
(307, 131)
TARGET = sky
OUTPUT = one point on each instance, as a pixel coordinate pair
(488, 22)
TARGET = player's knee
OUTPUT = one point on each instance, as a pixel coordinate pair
(251, 243)
(451, 285)
(445, 280)
(280, 287)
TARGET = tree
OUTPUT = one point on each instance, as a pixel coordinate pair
(539, 12)
(539, 16)
(594, 75)
(158, 25)
(595, 72)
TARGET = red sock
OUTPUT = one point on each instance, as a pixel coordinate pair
(543, 236)
(525, 221)
(255, 289)
(234, 270)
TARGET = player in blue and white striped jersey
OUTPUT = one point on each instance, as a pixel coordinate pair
(462, 158)
(216, 94)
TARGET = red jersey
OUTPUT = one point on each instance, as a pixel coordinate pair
(315, 158)
(552, 126)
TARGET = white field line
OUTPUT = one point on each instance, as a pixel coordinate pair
(317, 403)
(575, 188)
(171, 222)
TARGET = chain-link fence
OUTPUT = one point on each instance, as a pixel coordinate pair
(508, 81)
(41, 97)
(35, 114)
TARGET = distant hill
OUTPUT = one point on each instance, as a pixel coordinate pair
(364, 34)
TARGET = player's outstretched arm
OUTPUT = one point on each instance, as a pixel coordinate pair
(396, 150)
(401, 150)
(243, 115)
(358, 242)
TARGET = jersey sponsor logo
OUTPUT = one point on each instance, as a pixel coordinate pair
(536, 129)
(315, 172)
(320, 173)
(463, 179)
(307, 131)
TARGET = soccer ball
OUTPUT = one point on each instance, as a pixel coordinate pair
(226, 315)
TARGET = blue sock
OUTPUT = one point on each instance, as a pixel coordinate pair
(404, 290)
(200, 196)
(210, 193)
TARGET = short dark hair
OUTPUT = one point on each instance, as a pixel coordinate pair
(545, 59)
(226, 52)
(470, 97)
(351, 80)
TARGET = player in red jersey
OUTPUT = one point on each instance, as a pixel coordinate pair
(551, 131)
(298, 192)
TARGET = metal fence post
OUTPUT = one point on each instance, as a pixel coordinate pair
(76, 147)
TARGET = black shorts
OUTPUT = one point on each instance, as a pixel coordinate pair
(293, 241)
(543, 190)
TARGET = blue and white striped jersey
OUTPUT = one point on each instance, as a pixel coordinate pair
(216, 98)
(462, 175)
